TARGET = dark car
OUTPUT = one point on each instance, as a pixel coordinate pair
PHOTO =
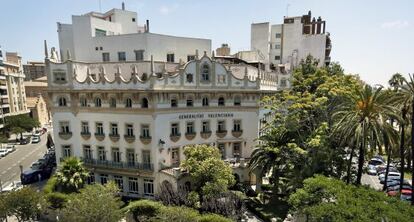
(33, 176)
(24, 141)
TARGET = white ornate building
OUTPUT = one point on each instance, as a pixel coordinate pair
(130, 120)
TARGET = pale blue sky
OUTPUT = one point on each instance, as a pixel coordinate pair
(373, 38)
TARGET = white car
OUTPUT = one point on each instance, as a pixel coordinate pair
(36, 134)
(391, 176)
(35, 139)
(16, 185)
(3, 152)
(372, 170)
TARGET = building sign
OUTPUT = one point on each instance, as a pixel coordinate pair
(202, 115)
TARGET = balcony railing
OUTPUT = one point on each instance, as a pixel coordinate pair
(118, 165)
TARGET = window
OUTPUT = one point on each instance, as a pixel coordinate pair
(139, 55)
(237, 125)
(283, 82)
(100, 32)
(236, 149)
(237, 101)
(119, 182)
(204, 101)
(98, 102)
(116, 155)
(148, 187)
(189, 102)
(104, 178)
(101, 153)
(174, 103)
(190, 58)
(222, 149)
(175, 156)
(84, 128)
(101, 48)
(190, 128)
(221, 101)
(144, 103)
(87, 152)
(62, 101)
(128, 103)
(221, 126)
(189, 77)
(129, 130)
(133, 185)
(64, 127)
(175, 129)
(130, 157)
(170, 57)
(83, 102)
(99, 129)
(145, 132)
(277, 46)
(105, 57)
(277, 57)
(91, 178)
(121, 56)
(60, 76)
(66, 151)
(96, 48)
(112, 102)
(221, 78)
(114, 129)
(205, 72)
(205, 127)
(133, 19)
(146, 159)
(278, 35)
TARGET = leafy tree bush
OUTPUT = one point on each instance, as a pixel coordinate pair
(50, 185)
(144, 210)
(94, 203)
(20, 123)
(56, 200)
(329, 199)
(26, 204)
(71, 175)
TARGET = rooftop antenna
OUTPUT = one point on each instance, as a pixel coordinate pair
(287, 10)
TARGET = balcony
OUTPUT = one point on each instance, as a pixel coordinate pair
(238, 162)
(65, 135)
(129, 138)
(221, 133)
(237, 133)
(190, 136)
(145, 139)
(118, 165)
(205, 134)
(175, 137)
(100, 136)
(85, 135)
(114, 137)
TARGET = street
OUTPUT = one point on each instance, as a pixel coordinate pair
(372, 181)
(24, 155)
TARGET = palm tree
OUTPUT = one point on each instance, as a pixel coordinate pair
(71, 175)
(396, 81)
(362, 117)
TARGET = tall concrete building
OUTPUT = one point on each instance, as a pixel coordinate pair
(129, 119)
(286, 44)
(12, 92)
(34, 70)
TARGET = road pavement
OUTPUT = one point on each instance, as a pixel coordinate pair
(24, 155)
(372, 181)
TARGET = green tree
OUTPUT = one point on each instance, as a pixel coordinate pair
(329, 199)
(94, 203)
(71, 174)
(212, 176)
(25, 204)
(396, 81)
(362, 117)
(4, 209)
(21, 122)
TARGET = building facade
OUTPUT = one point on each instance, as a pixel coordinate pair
(38, 110)
(34, 70)
(12, 92)
(288, 43)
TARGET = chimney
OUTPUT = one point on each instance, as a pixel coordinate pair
(147, 30)
(123, 5)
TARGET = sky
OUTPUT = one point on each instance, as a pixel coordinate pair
(371, 38)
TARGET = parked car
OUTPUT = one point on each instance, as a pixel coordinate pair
(391, 176)
(3, 152)
(24, 141)
(32, 176)
(406, 195)
(35, 139)
(37, 133)
(379, 157)
(376, 162)
(381, 170)
(372, 170)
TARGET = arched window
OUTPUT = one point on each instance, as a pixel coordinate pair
(83, 102)
(205, 101)
(112, 102)
(62, 101)
(189, 77)
(237, 101)
(128, 103)
(144, 103)
(190, 101)
(174, 102)
(98, 102)
(221, 101)
(205, 72)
